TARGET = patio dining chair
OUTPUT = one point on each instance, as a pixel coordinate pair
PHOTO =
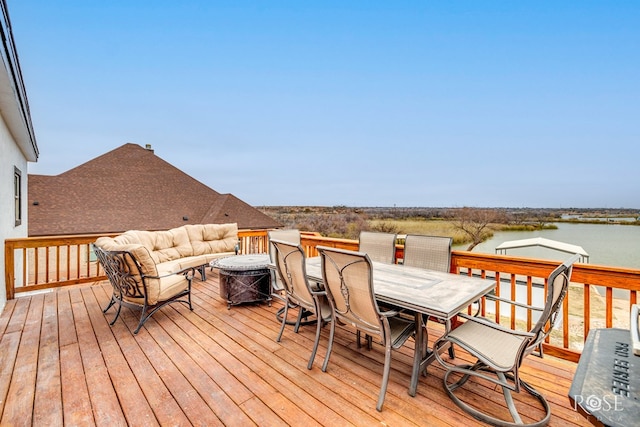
(348, 281)
(500, 351)
(277, 287)
(379, 246)
(288, 235)
(290, 263)
(430, 252)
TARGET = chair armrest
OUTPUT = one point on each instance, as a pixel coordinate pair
(494, 325)
(318, 291)
(389, 313)
(516, 303)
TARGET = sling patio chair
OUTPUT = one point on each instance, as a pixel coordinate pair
(290, 263)
(379, 246)
(430, 252)
(348, 281)
(285, 235)
(277, 287)
(500, 352)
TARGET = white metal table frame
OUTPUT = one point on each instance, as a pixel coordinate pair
(425, 292)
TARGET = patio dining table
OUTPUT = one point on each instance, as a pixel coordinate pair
(425, 292)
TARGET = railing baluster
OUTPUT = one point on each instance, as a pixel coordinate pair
(497, 291)
(565, 322)
(36, 266)
(46, 265)
(24, 268)
(57, 264)
(609, 309)
(529, 301)
(513, 298)
(586, 310)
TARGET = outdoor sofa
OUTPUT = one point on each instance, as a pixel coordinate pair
(149, 269)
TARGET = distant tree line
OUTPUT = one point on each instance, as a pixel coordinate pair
(476, 223)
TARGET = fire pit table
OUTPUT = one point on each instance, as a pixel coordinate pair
(244, 278)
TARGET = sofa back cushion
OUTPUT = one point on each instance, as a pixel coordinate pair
(212, 238)
(165, 245)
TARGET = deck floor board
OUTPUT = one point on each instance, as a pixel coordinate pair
(62, 363)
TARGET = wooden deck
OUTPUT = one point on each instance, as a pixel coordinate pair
(62, 364)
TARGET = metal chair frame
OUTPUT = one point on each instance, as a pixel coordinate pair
(348, 281)
(500, 351)
(290, 263)
(429, 252)
(290, 236)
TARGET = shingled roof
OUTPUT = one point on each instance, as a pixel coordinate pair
(130, 188)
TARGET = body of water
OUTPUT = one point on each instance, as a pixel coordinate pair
(613, 245)
(606, 244)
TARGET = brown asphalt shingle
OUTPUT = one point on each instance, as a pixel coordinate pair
(130, 188)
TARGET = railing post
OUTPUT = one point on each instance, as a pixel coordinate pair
(9, 269)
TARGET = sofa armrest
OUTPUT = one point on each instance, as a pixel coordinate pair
(189, 272)
(132, 279)
(139, 252)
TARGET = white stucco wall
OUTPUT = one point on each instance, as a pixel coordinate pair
(10, 157)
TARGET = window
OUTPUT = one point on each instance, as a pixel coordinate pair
(17, 189)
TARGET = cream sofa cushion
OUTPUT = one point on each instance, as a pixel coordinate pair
(162, 289)
(163, 245)
(212, 238)
(169, 267)
(171, 285)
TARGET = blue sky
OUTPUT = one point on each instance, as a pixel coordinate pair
(357, 103)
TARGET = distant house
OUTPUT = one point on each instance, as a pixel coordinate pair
(130, 188)
(17, 145)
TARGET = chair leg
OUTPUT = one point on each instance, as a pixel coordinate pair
(317, 341)
(284, 320)
(143, 318)
(329, 346)
(385, 377)
(305, 315)
(111, 303)
(367, 338)
(501, 379)
(296, 328)
(509, 399)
